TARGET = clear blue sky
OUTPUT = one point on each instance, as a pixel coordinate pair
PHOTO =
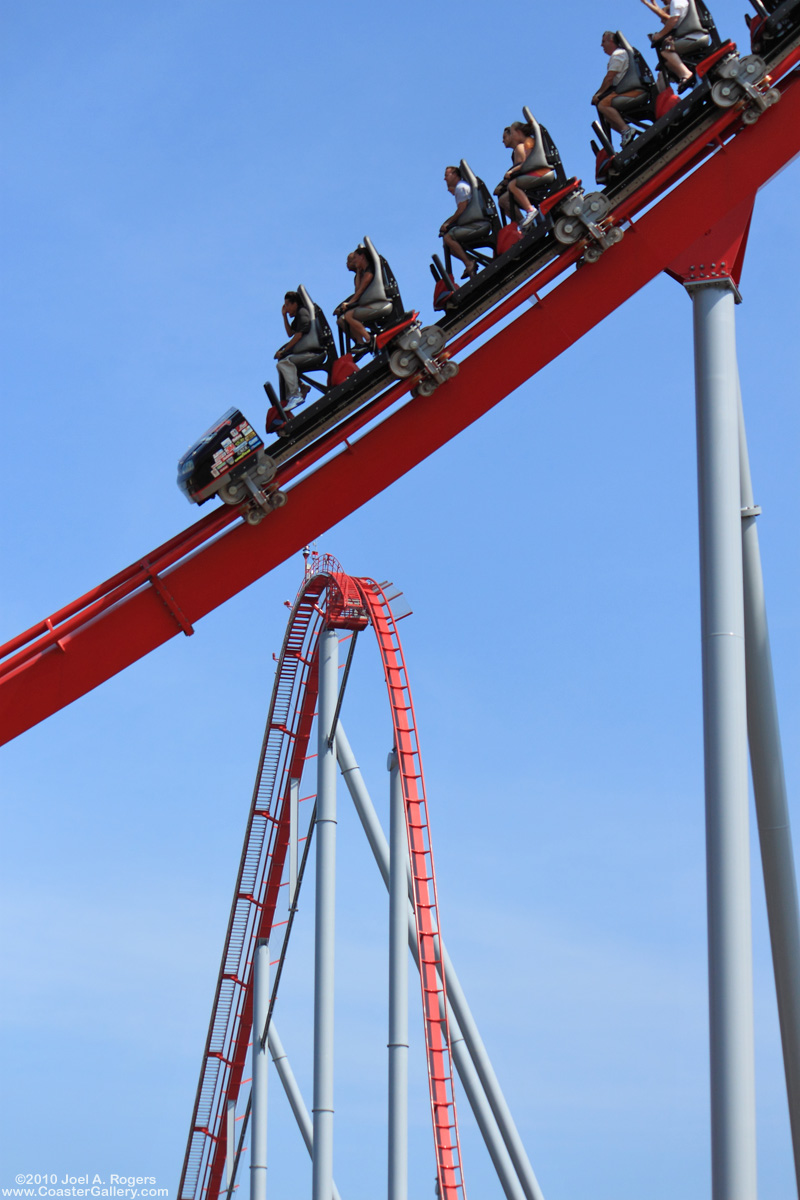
(171, 168)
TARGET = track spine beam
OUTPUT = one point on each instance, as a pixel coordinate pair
(117, 624)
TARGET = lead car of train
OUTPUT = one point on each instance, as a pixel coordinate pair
(232, 460)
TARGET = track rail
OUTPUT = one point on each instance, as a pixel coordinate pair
(426, 905)
(326, 597)
(86, 642)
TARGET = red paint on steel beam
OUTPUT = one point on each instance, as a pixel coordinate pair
(56, 627)
(719, 252)
(139, 623)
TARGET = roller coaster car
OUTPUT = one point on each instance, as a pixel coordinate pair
(506, 241)
(722, 79)
(341, 376)
(399, 342)
(775, 25)
(230, 461)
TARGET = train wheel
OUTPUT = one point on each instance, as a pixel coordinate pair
(266, 469)
(232, 493)
(573, 205)
(592, 252)
(432, 340)
(595, 206)
(450, 370)
(276, 499)
(403, 363)
(254, 516)
(567, 230)
(729, 67)
(426, 386)
(725, 93)
(750, 116)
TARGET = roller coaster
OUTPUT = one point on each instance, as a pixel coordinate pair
(677, 198)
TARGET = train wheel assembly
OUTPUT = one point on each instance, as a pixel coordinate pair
(233, 492)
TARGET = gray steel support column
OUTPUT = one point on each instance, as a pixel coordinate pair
(772, 807)
(730, 968)
(398, 988)
(230, 1142)
(260, 1061)
(293, 1093)
(322, 1172)
(476, 1096)
(294, 838)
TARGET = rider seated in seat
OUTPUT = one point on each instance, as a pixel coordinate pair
(684, 37)
(370, 301)
(531, 172)
(622, 88)
(469, 225)
(305, 350)
(350, 263)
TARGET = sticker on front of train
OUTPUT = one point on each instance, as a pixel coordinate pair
(225, 446)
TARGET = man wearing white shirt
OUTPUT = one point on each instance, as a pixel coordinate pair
(451, 231)
(608, 100)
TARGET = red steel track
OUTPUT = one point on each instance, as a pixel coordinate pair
(85, 643)
(328, 597)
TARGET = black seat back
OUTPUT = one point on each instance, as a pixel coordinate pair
(325, 336)
(552, 158)
(310, 342)
(638, 74)
(481, 207)
(475, 210)
(698, 19)
(384, 286)
(377, 288)
(637, 77)
(537, 156)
